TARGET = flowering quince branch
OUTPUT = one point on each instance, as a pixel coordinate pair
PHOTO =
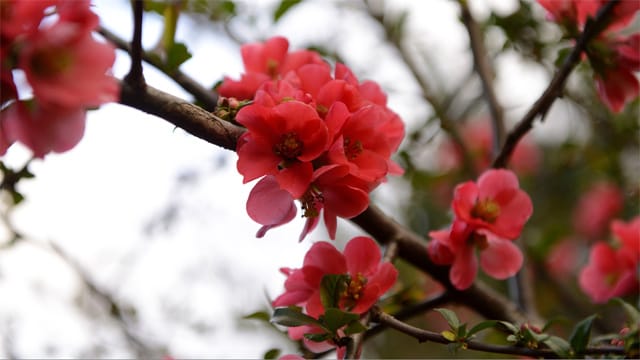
(183, 114)
(206, 98)
(135, 77)
(485, 72)
(555, 87)
(424, 335)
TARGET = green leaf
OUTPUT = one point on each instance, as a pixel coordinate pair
(334, 319)
(558, 345)
(481, 326)
(450, 316)
(271, 354)
(292, 316)
(580, 335)
(354, 328)
(331, 287)
(509, 326)
(318, 337)
(512, 338)
(285, 5)
(258, 315)
(448, 335)
(176, 56)
(633, 316)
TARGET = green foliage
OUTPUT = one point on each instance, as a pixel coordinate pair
(271, 354)
(581, 334)
(292, 316)
(258, 315)
(177, 54)
(331, 288)
(10, 180)
(283, 7)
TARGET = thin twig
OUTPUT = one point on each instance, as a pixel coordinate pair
(135, 76)
(205, 97)
(423, 335)
(485, 72)
(556, 86)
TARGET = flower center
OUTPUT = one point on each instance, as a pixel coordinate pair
(353, 291)
(50, 62)
(352, 148)
(479, 240)
(289, 147)
(487, 210)
(312, 201)
(272, 68)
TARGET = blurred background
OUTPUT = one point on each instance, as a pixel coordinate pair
(136, 243)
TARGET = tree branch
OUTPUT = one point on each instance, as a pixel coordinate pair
(185, 115)
(205, 97)
(424, 335)
(135, 77)
(556, 86)
(485, 72)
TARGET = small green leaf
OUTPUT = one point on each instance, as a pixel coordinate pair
(334, 319)
(448, 335)
(450, 316)
(285, 5)
(509, 326)
(331, 287)
(559, 346)
(481, 326)
(354, 328)
(176, 56)
(512, 338)
(633, 316)
(462, 331)
(580, 335)
(292, 316)
(258, 315)
(271, 354)
(318, 337)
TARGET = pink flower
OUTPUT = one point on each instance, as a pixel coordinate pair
(264, 62)
(499, 257)
(65, 65)
(270, 205)
(562, 260)
(368, 278)
(612, 270)
(605, 276)
(281, 141)
(478, 136)
(596, 208)
(42, 127)
(494, 203)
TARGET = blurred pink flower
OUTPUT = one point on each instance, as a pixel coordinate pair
(596, 208)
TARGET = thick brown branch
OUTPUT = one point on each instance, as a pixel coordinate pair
(191, 118)
(424, 335)
(206, 98)
(556, 86)
(485, 72)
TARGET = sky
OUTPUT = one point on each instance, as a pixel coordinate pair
(189, 281)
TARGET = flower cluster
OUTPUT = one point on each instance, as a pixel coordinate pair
(322, 138)
(614, 57)
(365, 280)
(489, 214)
(65, 67)
(613, 268)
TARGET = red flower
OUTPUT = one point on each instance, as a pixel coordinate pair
(65, 65)
(612, 271)
(270, 205)
(368, 278)
(494, 203)
(264, 62)
(500, 258)
(596, 208)
(281, 141)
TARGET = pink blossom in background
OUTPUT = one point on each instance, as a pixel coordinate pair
(563, 258)
(477, 135)
(601, 203)
(613, 269)
(67, 69)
